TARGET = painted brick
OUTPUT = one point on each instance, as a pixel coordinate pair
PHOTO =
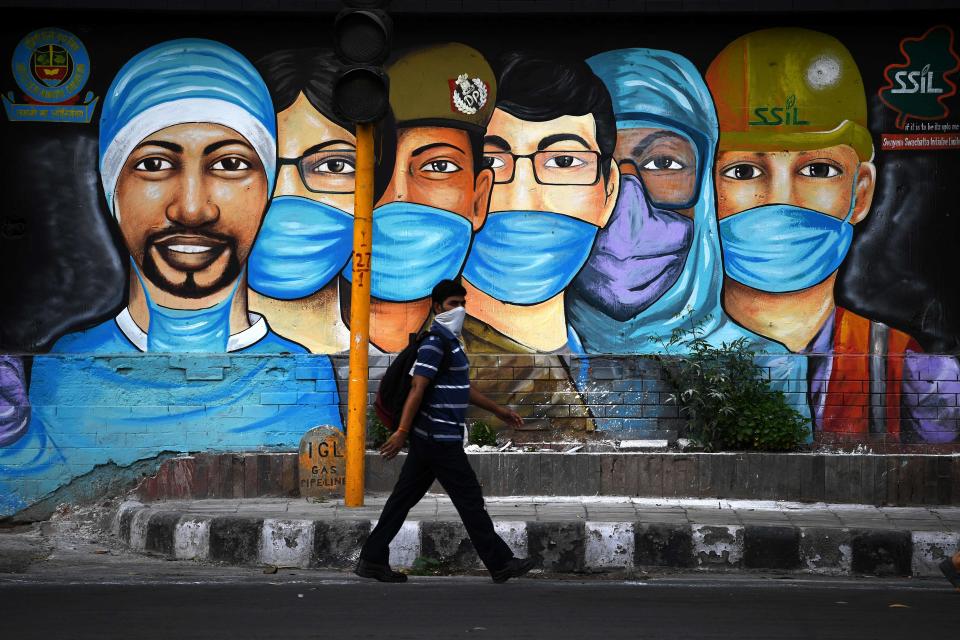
(626, 411)
(660, 411)
(310, 373)
(771, 547)
(235, 540)
(948, 386)
(882, 553)
(657, 385)
(317, 398)
(259, 410)
(662, 545)
(522, 361)
(279, 397)
(491, 373)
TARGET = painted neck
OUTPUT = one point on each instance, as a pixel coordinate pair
(540, 326)
(313, 321)
(140, 312)
(793, 319)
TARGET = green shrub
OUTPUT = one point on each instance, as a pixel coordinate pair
(482, 434)
(722, 393)
(377, 432)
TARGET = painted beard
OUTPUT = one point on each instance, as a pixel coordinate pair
(190, 251)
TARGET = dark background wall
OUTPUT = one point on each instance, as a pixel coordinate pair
(60, 259)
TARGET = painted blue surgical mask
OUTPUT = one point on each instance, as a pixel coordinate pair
(527, 257)
(187, 330)
(414, 247)
(781, 247)
(301, 246)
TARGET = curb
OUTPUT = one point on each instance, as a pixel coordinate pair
(558, 547)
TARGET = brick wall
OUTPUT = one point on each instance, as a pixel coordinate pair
(626, 397)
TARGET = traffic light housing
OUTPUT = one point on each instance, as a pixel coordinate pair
(362, 36)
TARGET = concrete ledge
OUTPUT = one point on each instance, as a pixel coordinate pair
(569, 544)
(893, 480)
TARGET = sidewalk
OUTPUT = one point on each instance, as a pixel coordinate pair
(564, 534)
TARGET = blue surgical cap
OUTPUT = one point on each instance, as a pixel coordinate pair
(181, 81)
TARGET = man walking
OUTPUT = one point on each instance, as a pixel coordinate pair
(435, 411)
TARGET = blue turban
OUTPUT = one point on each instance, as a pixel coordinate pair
(181, 81)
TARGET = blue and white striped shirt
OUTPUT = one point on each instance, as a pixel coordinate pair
(443, 411)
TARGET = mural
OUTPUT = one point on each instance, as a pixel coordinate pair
(794, 174)
(592, 202)
(187, 165)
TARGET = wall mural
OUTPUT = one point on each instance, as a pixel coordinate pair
(591, 205)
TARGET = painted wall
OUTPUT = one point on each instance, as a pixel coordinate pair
(177, 234)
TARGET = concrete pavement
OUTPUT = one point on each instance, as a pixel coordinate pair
(564, 534)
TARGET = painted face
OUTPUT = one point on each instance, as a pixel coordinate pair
(434, 167)
(666, 163)
(822, 180)
(560, 173)
(190, 199)
(327, 156)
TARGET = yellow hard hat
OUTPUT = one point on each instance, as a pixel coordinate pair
(789, 90)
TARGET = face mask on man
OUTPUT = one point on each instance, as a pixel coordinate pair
(528, 257)
(782, 247)
(414, 247)
(452, 320)
(187, 330)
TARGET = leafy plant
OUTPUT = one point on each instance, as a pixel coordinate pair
(425, 566)
(377, 432)
(482, 434)
(722, 393)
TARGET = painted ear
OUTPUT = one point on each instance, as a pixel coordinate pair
(483, 187)
(611, 191)
(866, 184)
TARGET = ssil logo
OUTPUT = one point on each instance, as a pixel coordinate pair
(788, 114)
(917, 87)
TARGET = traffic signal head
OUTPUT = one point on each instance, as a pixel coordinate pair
(361, 38)
(361, 94)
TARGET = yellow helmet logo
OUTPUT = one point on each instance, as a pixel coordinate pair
(789, 90)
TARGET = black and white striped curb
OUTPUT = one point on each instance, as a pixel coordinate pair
(558, 547)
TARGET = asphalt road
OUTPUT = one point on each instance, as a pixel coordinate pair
(335, 606)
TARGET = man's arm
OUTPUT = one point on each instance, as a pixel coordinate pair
(506, 414)
(418, 386)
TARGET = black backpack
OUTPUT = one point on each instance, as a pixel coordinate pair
(396, 381)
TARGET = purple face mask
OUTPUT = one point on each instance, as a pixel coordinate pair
(637, 257)
(14, 404)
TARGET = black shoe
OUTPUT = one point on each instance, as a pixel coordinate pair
(950, 572)
(515, 568)
(381, 572)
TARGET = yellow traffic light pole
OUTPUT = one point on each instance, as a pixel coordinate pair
(359, 317)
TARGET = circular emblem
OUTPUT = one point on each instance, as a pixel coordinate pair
(51, 65)
(469, 95)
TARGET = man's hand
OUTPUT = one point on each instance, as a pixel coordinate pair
(509, 416)
(392, 447)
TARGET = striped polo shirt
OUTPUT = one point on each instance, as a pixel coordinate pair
(443, 411)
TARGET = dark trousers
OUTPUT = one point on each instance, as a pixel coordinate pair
(444, 461)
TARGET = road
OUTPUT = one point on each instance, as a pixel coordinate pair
(302, 604)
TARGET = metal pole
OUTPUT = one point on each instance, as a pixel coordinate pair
(359, 317)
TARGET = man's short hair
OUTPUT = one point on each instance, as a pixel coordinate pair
(446, 289)
(537, 88)
(312, 72)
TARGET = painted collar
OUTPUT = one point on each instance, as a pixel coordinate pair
(254, 333)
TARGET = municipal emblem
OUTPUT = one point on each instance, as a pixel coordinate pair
(51, 67)
(467, 95)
